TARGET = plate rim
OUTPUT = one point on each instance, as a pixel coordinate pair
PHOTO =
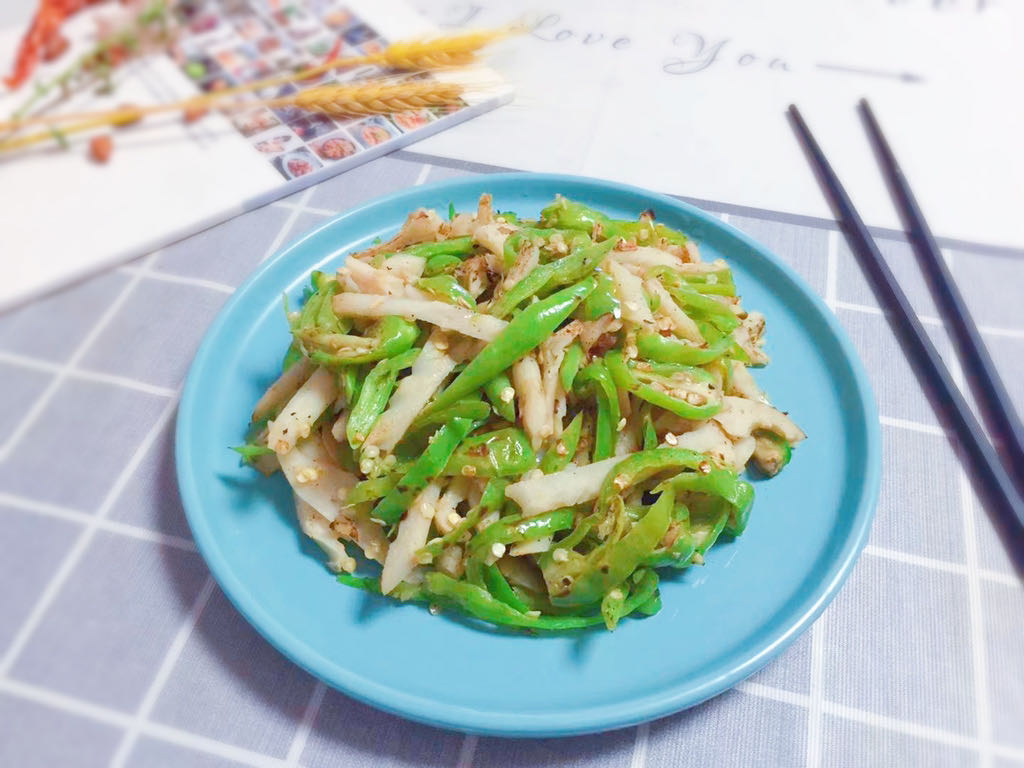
(593, 719)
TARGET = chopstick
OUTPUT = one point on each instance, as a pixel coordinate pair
(980, 371)
(1006, 507)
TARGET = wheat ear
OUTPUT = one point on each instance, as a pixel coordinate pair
(371, 98)
(456, 50)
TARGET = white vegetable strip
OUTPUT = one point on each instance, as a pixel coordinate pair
(533, 408)
(422, 226)
(710, 439)
(280, 391)
(630, 290)
(368, 279)
(316, 479)
(430, 369)
(493, 236)
(646, 257)
(682, 323)
(305, 406)
(405, 267)
(562, 489)
(315, 526)
(534, 547)
(412, 534)
(739, 417)
(436, 312)
(744, 450)
(453, 495)
(550, 355)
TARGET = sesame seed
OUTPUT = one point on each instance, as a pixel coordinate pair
(704, 468)
(371, 452)
(497, 549)
(533, 614)
(424, 558)
(366, 466)
(390, 460)
(632, 352)
(358, 437)
(468, 471)
(441, 345)
(377, 520)
(616, 594)
(560, 449)
(427, 510)
(621, 425)
(507, 395)
(434, 609)
(697, 559)
(560, 555)
(671, 439)
(307, 475)
(454, 518)
(620, 482)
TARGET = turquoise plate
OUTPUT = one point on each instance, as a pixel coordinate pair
(720, 622)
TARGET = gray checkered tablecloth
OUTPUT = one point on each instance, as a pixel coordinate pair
(116, 647)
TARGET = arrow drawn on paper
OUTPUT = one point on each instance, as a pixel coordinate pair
(906, 77)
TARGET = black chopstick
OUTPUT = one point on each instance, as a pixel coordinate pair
(1006, 507)
(979, 369)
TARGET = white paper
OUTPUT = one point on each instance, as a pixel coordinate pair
(689, 98)
(63, 216)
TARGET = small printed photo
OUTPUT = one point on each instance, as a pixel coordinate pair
(335, 147)
(321, 46)
(250, 27)
(268, 44)
(254, 70)
(275, 141)
(201, 67)
(296, 163)
(371, 47)
(231, 59)
(411, 120)
(202, 23)
(216, 83)
(288, 15)
(255, 121)
(360, 33)
(373, 131)
(234, 6)
(350, 74)
(301, 32)
(448, 109)
(338, 18)
(312, 126)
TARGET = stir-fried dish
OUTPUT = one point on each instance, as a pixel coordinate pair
(522, 420)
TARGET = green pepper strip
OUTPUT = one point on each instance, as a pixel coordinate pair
(470, 408)
(529, 285)
(570, 365)
(504, 453)
(429, 465)
(625, 378)
(663, 349)
(597, 378)
(585, 579)
(490, 500)
(394, 335)
(442, 264)
(457, 246)
(719, 282)
(514, 242)
(603, 301)
(372, 488)
(524, 333)
(695, 303)
(493, 390)
(512, 530)
(573, 215)
(570, 439)
(726, 485)
(579, 264)
(479, 603)
(374, 395)
(446, 288)
(497, 585)
(650, 434)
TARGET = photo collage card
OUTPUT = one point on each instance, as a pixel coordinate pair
(232, 42)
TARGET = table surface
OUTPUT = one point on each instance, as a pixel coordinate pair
(117, 648)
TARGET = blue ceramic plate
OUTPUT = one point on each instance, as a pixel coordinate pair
(720, 622)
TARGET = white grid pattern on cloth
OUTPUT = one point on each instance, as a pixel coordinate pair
(139, 722)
